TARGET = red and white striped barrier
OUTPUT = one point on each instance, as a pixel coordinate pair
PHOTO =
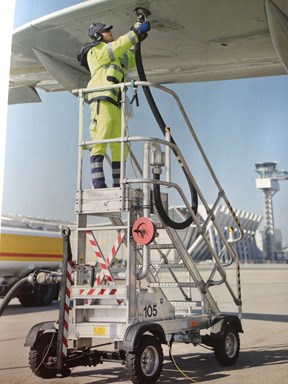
(99, 258)
(105, 272)
(101, 275)
(67, 308)
(90, 293)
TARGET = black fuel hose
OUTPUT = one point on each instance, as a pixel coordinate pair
(10, 294)
(162, 126)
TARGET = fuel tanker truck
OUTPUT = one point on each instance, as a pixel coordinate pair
(26, 245)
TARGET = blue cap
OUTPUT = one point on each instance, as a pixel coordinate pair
(98, 27)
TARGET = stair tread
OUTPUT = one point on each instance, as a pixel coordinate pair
(172, 284)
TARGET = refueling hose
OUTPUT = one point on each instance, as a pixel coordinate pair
(162, 126)
(9, 296)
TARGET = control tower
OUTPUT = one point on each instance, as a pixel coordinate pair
(268, 182)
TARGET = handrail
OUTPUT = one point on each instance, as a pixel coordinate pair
(218, 266)
(135, 84)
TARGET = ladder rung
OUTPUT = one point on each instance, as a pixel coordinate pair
(100, 306)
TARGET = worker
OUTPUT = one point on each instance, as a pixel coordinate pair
(108, 61)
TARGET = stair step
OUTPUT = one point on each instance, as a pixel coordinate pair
(169, 265)
(159, 246)
(181, 303)
(100, 201)
(172, 285)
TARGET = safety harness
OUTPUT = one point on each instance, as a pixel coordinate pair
(82, 56)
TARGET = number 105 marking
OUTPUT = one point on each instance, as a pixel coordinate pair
(150, 310)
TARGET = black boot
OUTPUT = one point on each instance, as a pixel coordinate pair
(98, 179)
(116, 173)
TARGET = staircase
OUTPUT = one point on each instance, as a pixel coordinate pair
(107, 300)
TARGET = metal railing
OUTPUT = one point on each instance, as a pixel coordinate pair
(170, 147)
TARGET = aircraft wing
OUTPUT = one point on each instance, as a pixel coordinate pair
(189, 41)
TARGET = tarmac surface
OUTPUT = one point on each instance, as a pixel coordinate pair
(263, 356)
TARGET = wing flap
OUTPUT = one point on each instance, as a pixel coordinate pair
(24, 94)
(69, 77)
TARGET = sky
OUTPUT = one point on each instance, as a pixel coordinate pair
(239, 123)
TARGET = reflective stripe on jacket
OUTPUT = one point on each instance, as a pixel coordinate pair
(108, 64)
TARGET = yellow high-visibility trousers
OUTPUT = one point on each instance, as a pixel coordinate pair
(106, 124)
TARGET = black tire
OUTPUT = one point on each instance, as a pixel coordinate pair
(227, 348)
(43, 356)
(42, 296)
(145, 365)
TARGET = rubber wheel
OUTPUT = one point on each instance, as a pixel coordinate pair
(227, 348)
(42, 296)
(43, 355)
(145, 365)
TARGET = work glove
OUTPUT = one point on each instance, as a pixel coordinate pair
(144, 27)
(141, 30)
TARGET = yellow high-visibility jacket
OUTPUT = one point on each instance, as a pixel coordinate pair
(108, 64)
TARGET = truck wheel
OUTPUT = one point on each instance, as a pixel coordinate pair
(145, 365)
(227, 347)
(41, 296)
(43, 356)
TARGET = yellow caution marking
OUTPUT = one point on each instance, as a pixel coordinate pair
(99, 331)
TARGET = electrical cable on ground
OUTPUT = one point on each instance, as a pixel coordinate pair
(176, 365)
